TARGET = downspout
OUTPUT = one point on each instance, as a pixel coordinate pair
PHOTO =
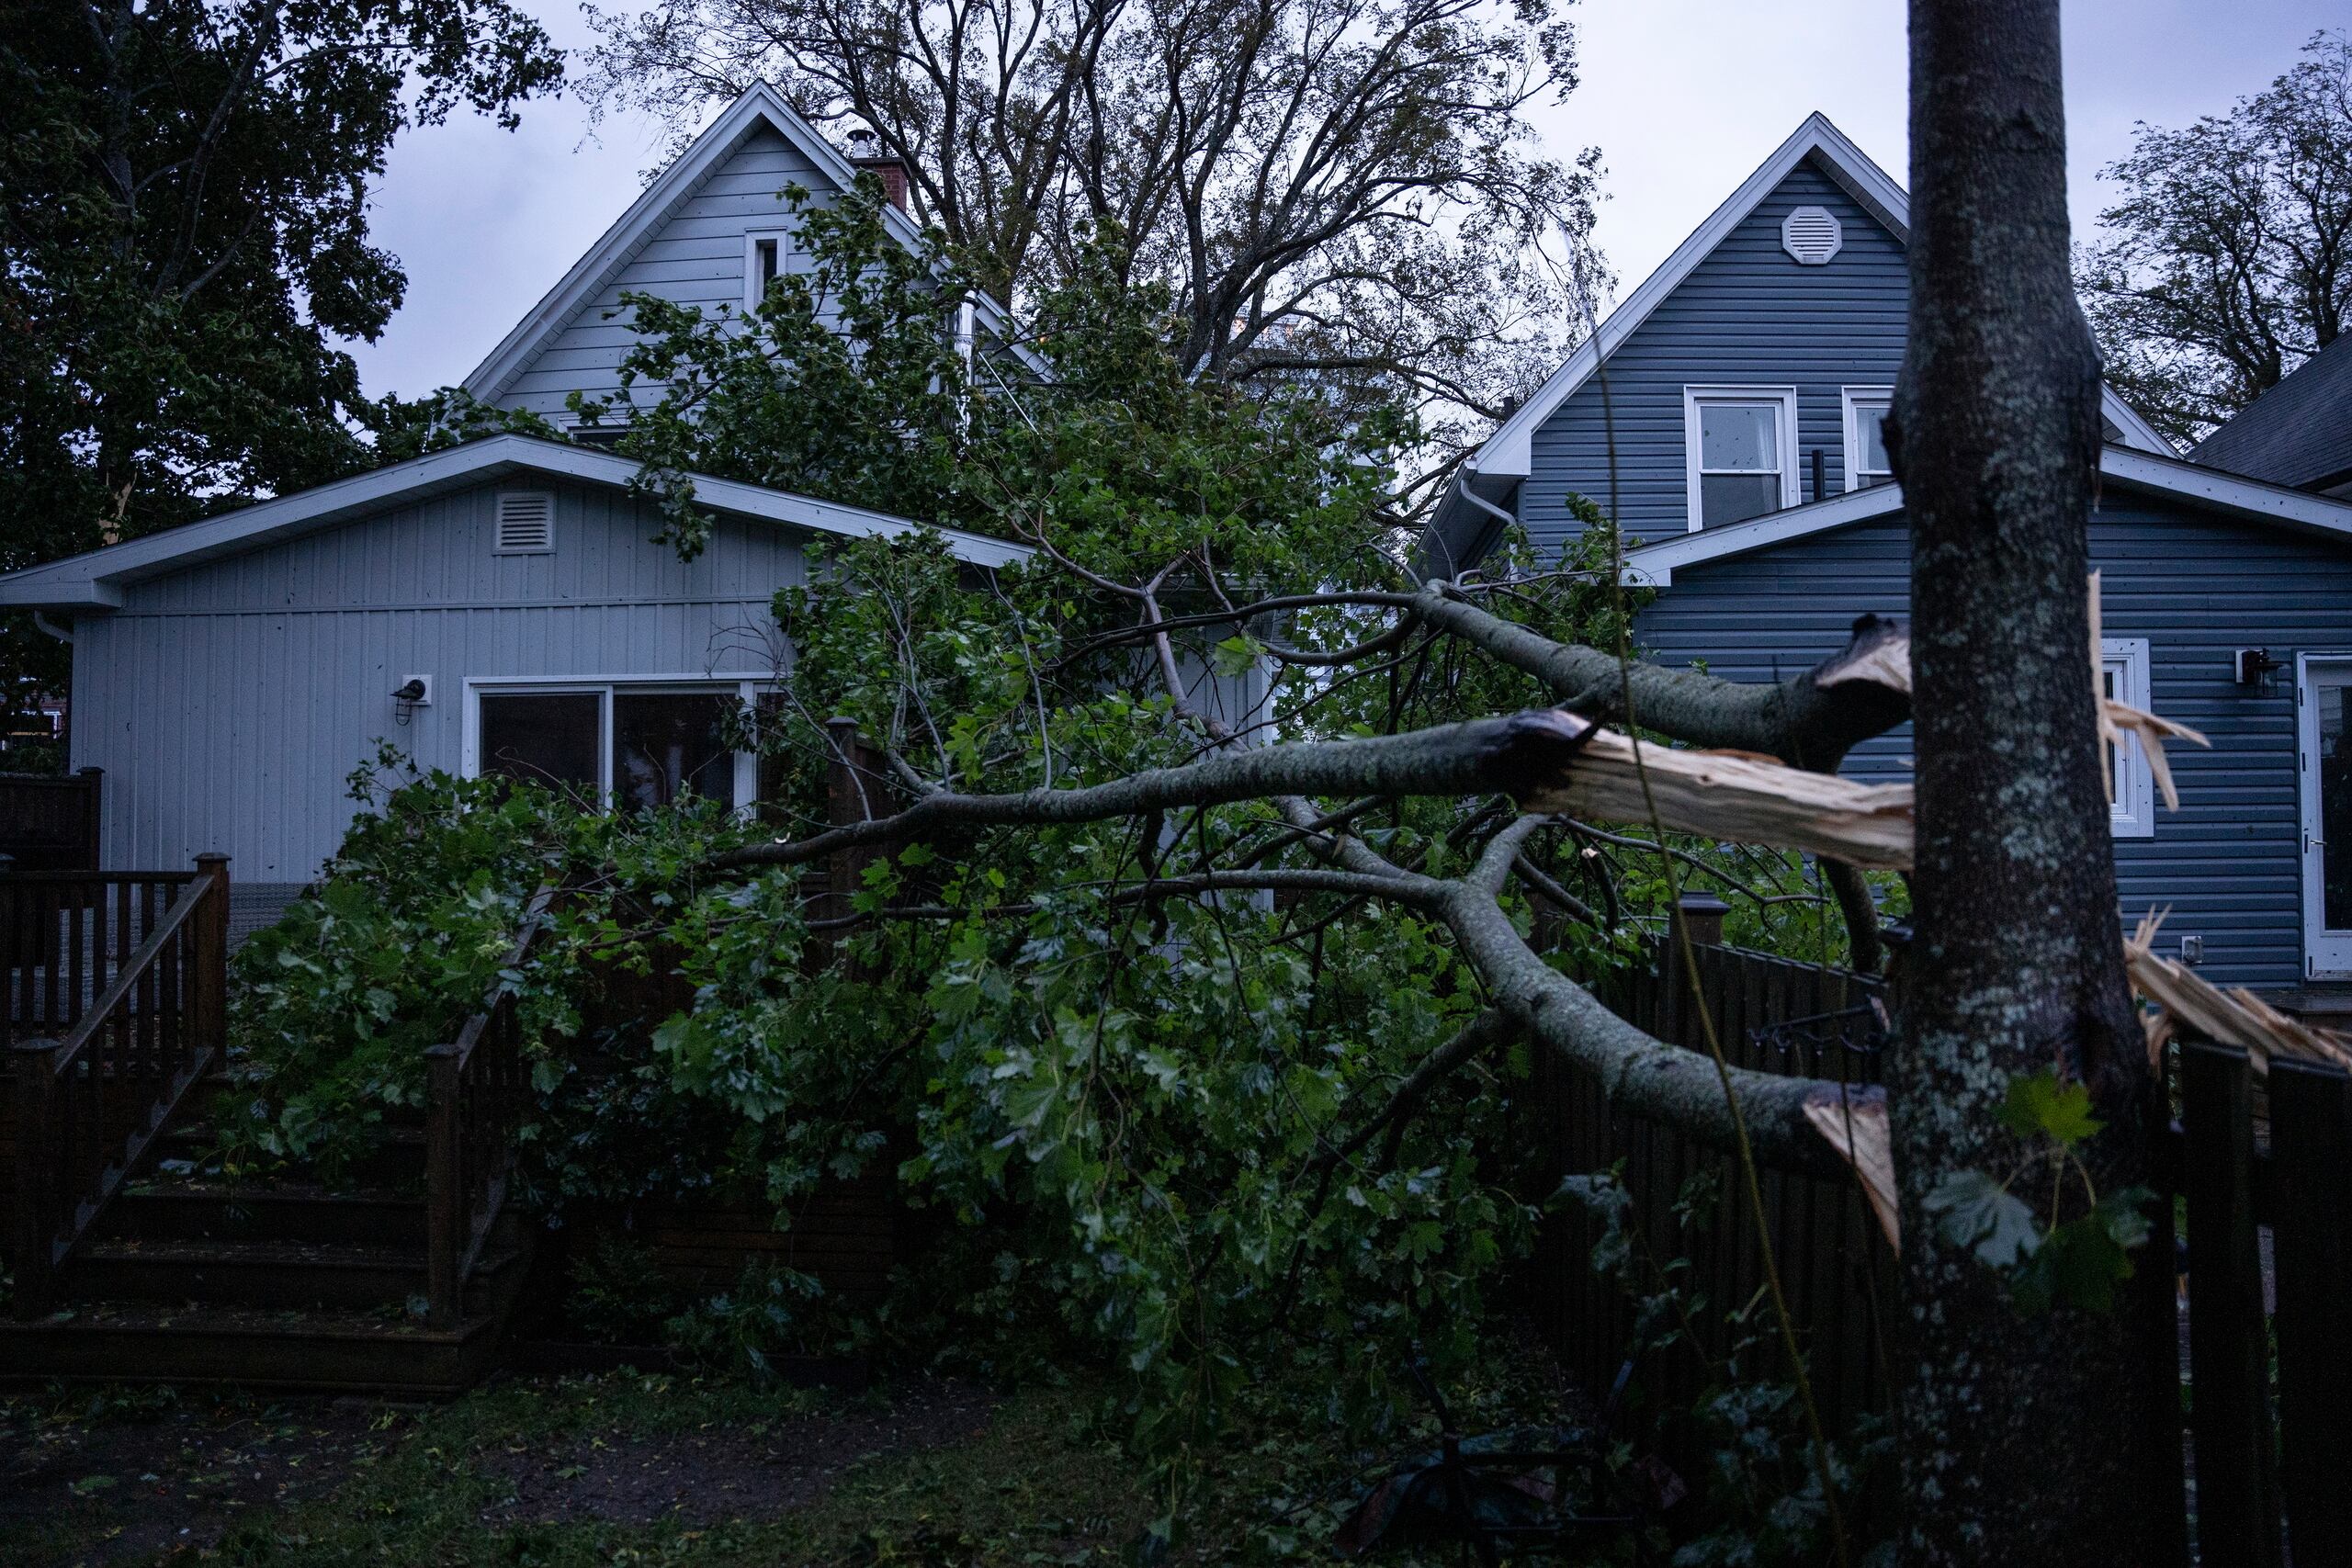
(1462, 488)
(52, 629)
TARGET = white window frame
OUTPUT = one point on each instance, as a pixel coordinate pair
(754, 291)
(1853, 399)
(745, 687)
(2132, 813)
(1694, 398)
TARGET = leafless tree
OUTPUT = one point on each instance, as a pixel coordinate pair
(1346, 189)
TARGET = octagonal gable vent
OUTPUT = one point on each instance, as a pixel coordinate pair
(1811, 234)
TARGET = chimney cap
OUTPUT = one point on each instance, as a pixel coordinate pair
(863, 143)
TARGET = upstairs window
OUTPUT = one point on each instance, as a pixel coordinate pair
(766, 257)
(1866, 460)
(1739, 445)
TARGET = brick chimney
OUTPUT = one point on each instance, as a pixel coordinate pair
(865, 152)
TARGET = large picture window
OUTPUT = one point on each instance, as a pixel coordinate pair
(1739, 452)
(631, 744)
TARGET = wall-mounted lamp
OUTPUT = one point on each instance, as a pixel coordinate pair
(2249, 665)
(413, 694)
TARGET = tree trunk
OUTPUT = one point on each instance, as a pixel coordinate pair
(2024, 1441)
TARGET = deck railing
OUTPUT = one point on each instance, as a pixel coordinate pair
(473, 1097)
(88, 1102)
(64, 936)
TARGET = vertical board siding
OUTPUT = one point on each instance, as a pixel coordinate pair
(2197, 587)
(229, 702)
(1748, 314)
(693, 257)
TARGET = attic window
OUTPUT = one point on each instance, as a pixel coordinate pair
(766, 257)
(1811, 234)
(526, 523)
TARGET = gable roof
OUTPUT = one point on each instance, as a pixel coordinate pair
(2298, 433)
(761, 107)
(1506, 457)
(94, 580)
(2172, 478)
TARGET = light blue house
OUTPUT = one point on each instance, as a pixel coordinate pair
(499, 606)
(1728, 410)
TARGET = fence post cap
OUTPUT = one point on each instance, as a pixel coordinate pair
(212, 857)
(1702, 904)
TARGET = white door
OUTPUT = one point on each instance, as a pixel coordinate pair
(2324, 767)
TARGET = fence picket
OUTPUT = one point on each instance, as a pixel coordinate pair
(2236, 1513)
(2311, 1153)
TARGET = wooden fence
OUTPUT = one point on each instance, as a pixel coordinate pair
(1774, 1016)
(49, 821)
(2262, 1165)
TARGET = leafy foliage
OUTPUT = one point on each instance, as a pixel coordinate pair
(1763, 1502)
(184, 191)
(2047, 1260)
(2224, 261)
(1327, 192)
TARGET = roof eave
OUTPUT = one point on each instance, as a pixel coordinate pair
(93, 580)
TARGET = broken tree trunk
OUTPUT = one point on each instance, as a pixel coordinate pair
(2024, 1441)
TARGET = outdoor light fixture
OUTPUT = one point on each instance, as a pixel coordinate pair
(2249, 665)
(413, 694)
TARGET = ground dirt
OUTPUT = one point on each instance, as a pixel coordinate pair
(105, 1478)
(96, 1477)
(756, 1472)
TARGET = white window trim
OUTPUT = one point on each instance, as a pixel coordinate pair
(1696, 397)
(1851, 398)
(2132, 813)
(785, 243)
(745, 687)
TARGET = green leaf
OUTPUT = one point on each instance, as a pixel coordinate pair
(2039, 1105)
(1974, 1210)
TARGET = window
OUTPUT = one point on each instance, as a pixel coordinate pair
(1740, 450)
(526, 523)
(766, 257)
(1866, 461)
(632, 744)
(2124, 676)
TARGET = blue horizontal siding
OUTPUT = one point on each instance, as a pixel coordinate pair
(1748, 314)
(2197, 587)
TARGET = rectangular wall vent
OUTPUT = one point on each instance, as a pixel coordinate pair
(525, 524)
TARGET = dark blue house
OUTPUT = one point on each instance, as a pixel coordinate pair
(1729, 410)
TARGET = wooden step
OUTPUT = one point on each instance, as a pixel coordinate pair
(320, 1349)
(257, 1273)
(397, 1162)
(195, 1212)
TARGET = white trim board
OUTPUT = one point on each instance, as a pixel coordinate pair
(94, 580)
(759, 104)
(2174, 477)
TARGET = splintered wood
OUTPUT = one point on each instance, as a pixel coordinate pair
(1731, 795)
(2234, 1017)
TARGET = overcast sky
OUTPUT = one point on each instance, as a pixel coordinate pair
(1684, 97)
